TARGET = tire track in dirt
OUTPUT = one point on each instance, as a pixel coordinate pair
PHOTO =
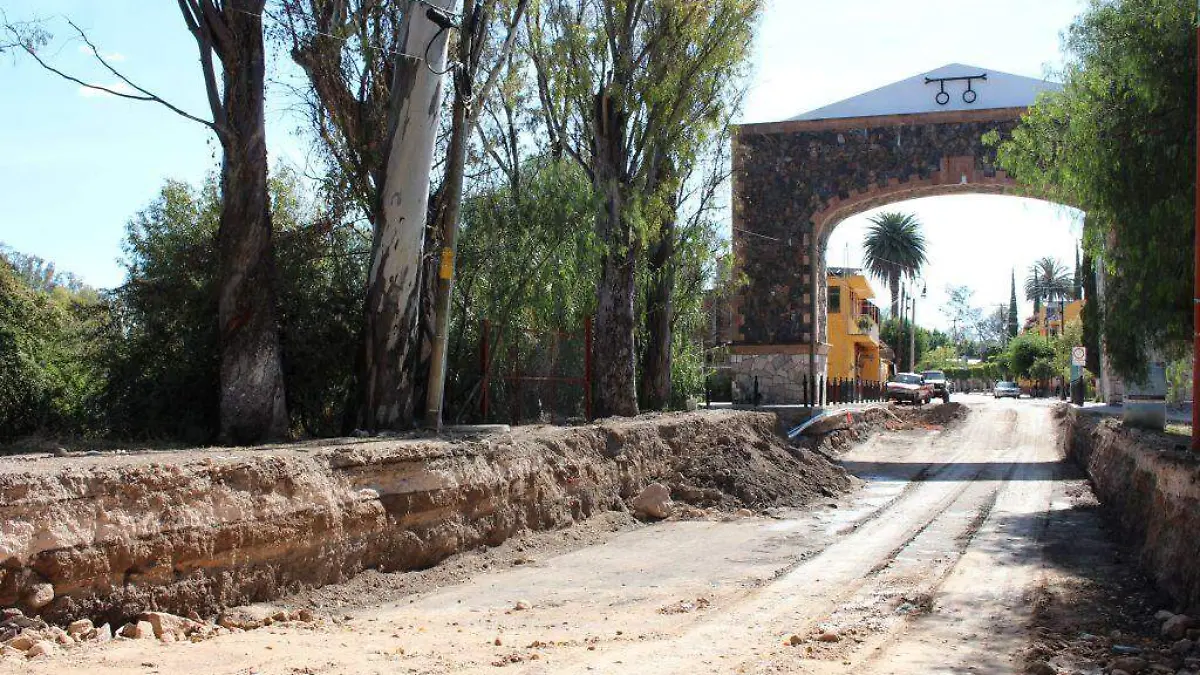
(750, 630)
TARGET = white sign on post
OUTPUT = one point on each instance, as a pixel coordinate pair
(1079, 356)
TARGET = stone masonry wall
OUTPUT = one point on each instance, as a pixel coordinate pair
(794, 181)
(780, 376)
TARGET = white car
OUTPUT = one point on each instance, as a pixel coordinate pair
(1006, 389)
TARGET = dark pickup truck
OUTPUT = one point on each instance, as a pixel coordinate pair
(937, 379)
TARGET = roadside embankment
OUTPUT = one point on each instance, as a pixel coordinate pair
(1151, 486)
(191, 532)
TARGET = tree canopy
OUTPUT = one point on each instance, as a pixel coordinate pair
(1119, 142)
(894, 249)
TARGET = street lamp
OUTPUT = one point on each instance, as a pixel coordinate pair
(912, 331)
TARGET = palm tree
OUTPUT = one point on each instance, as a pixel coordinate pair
(1048, 281)
(893, 250)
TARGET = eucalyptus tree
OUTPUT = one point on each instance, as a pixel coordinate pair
(376, 75)
(629, 89)
(893, 250)
(229, 38)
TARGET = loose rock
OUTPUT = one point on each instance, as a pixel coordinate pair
(80, 627)
(40, 648)
(164, 624)
(522, 605)
(23, 641)
(653, 502)
(39, 595)
(829, 636)
(1176, 627)
(795, 640)
(142, 630)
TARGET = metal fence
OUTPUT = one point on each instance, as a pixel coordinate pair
(533, 376)
(822, 391)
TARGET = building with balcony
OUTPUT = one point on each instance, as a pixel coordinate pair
(855, 350)
(1048, 321)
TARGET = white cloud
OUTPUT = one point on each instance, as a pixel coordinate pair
(114, 57)
(120, 87)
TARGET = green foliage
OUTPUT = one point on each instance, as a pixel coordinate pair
(894, 249)
(1013, 319)
(161, 347)
(142, 361)
(527, 262)
(1119, 143)
(895, 334)
(46, 380)
(940, 358)
(1042, 369)
(1048, 281)
(1024, 350)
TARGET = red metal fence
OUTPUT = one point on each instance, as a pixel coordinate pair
(532, 375)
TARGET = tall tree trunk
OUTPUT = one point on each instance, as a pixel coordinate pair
(394, 284)
(616, 393)
(894, 282)
(253, 406)
(655, 384)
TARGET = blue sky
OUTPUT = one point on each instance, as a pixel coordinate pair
(74, 167)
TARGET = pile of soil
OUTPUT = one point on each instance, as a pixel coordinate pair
(756, 471)
(106, 537)
(928, 417)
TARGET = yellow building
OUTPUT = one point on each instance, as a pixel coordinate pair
(855, 350)
(1047, 322)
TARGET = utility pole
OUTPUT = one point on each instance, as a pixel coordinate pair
(912, 338)
(1196, 281)
(456, 158)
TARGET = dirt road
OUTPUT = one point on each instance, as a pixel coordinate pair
(932, 566)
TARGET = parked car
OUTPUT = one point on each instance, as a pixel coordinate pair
(1009, 389)
(937, 380)
(909, 387)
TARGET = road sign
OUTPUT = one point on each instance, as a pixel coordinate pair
(1079, 356)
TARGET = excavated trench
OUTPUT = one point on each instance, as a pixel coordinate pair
(192, 532)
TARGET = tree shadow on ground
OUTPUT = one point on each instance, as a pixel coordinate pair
(1092, 605)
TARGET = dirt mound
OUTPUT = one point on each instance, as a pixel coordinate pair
(929, 417)
(755, 469)
(109, 537)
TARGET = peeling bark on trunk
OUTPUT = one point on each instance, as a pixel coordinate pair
(394, 285)
(616, 393)
(253, 406)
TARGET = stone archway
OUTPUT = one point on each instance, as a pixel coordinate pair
(794, 181)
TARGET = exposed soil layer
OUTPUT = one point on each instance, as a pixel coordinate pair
(194, 531)
(1150, 486)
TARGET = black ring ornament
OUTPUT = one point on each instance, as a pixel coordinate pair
(969, 96)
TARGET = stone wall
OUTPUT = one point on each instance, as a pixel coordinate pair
(780, 377)
(1150, 486)
(794, 181)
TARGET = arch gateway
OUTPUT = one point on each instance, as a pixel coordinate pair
(795, 181)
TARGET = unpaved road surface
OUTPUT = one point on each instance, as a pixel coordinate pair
(933, 566)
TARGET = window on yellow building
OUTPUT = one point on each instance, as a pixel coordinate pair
(835, 299)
